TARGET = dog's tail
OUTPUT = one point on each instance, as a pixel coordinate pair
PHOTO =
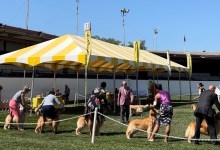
(193, 106)
(146, 106)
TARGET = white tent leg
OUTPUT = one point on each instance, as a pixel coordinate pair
(180, 87)
(32, 89)
(168, 77)
(114, 85)
(190, 90)
(77, 90)
(97, 80)
(157, 78)
(128, 79)
(24, 77)
(86, 85)
(54, 80)
(137, 93)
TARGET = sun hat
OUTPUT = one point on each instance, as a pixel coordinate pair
(200, 84)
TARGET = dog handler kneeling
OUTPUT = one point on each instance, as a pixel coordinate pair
(49, 110)
(165, 114)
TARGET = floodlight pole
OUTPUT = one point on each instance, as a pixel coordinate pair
(123, 13)
(156, 30)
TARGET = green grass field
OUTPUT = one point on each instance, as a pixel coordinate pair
(112, 135)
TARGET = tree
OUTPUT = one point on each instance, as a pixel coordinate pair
(130, 44)
(117, 42)
(109, 40)
(142, 45)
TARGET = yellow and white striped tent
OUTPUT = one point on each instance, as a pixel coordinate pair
(69, 51)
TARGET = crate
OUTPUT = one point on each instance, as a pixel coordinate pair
(60, 100)
(36, 102)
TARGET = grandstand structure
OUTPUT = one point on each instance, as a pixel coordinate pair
(204, 64)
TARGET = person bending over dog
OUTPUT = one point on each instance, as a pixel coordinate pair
(18, 99)
(204, 111)
(97, 100)
(49, 110)
(165, 113)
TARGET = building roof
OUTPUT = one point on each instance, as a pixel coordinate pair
(19, 35)
(203, 54)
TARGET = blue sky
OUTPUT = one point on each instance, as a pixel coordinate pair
(198, 20)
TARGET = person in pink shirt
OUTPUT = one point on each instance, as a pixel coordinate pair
(18, 99)
(125, 98)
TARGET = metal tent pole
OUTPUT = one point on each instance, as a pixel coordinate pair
(54, 80)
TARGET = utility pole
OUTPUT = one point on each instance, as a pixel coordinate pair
(27, 16)
(77, 13)
(123, 13)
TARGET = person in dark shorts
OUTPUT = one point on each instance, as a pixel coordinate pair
(49, 110)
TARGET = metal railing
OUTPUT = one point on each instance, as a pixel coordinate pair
(76, 100)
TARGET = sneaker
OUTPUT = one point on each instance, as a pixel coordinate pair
(20, 129)
(151, 140)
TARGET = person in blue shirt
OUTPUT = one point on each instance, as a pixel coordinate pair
(49, 110)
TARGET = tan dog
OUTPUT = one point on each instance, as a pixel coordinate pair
(193, 107)
(142, 124)
(49, 122)
(10, 119)
(138, 109)
(81, 123)
(41, 123)
(190, 131)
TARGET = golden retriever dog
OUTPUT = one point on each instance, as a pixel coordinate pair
(190, 131)
(138, 109)
(49, 122)
(9, 119)
(142, 124)
(41, 123)
(193, 107)
(81, 123)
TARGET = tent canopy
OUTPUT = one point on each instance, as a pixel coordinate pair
(69, 51)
